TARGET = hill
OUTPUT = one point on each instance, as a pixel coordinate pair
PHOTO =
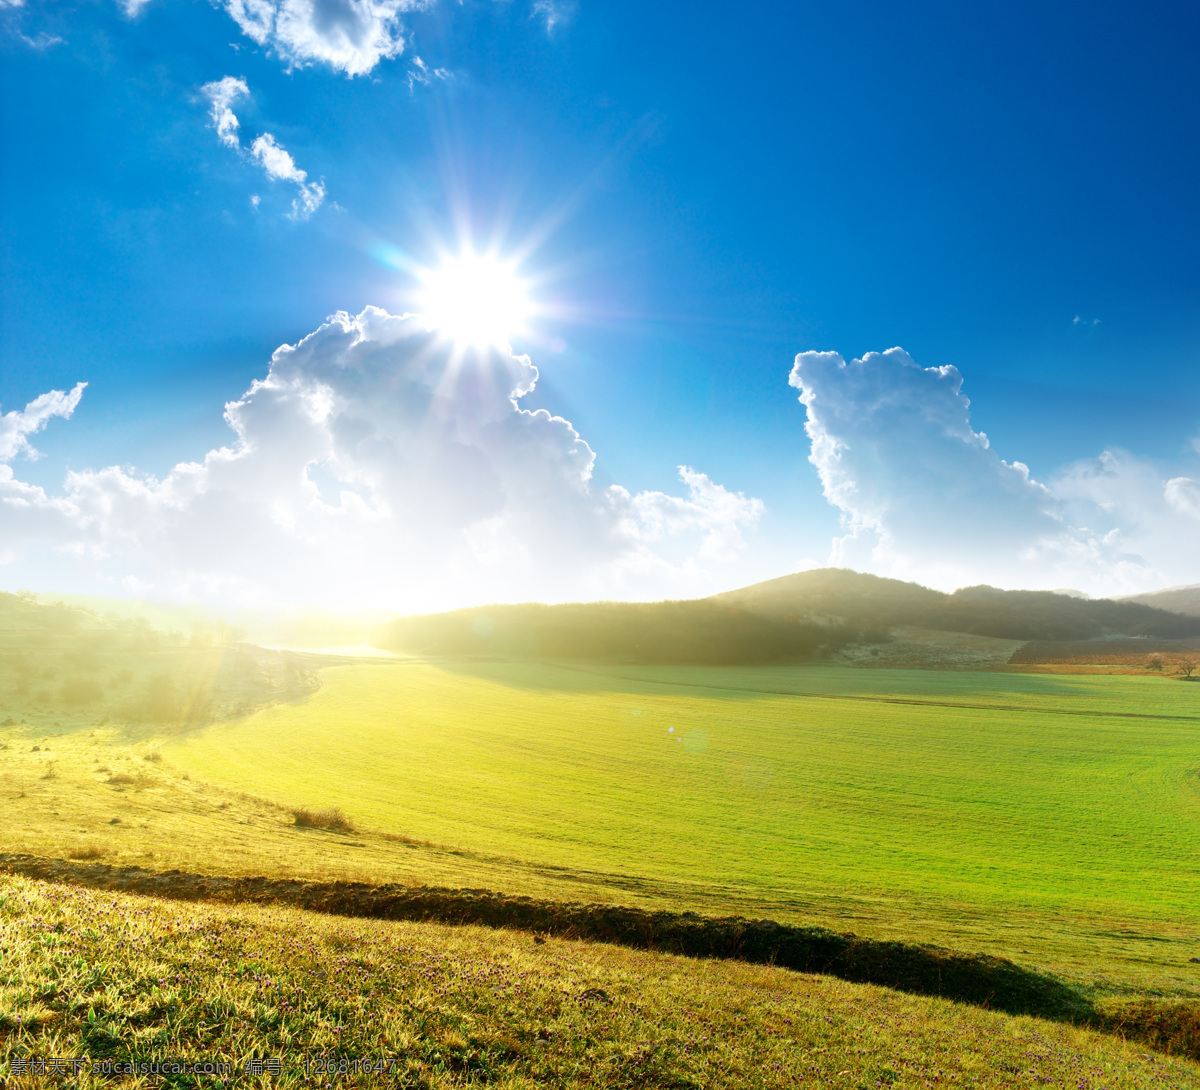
(62, 663)
(278, 627)
(1184, 600)
(790, 619)
(700, 632)
(867, 602)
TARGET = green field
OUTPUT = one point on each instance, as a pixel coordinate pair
(1047, 817)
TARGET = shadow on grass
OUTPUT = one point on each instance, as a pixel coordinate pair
(977, 979)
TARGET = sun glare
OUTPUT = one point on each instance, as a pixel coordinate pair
(475, 299)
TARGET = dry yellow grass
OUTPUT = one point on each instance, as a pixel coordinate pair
(121, 979)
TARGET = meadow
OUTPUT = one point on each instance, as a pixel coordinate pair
(126, 980)
(1053, 819)
(1048, 819)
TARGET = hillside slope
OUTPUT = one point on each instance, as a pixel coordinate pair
(1184, 600)
(869, 602)
(703, 632)
(790, 619)
(61, 664)
(120, 978)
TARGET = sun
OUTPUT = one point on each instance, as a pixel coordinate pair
(475, 299)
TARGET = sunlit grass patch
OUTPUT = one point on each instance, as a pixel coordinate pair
(1002, 790)
(109, 975)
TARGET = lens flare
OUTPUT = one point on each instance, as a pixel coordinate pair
(475, 300)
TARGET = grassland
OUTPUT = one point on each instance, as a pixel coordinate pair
(117, 978)
(1050, 819)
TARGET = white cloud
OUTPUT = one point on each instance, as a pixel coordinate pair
(270, 155)
(27, 514)
(374, 463)
(222, 94)
(16, 426)
(420, 72)
(132, 8)
(710, 508)
(923, 495)
(350, 36)
(279, 164)
(41, 41)
(1183, 495)
(552, 12)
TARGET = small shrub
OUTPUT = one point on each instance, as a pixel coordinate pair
(88, 851)
(123, 778)
(332, 820)
(51, 772)
(154, 757)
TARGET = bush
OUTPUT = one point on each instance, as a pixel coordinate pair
(332, 820)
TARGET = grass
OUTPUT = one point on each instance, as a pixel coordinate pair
(331, 819)
(1047, 819)
(118, 978)
(875, 796)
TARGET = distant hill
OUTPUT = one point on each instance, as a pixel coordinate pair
(700, 632)
(1177, 599)
(271, 627)
(869, 603)
(60, 663)
(793, 618)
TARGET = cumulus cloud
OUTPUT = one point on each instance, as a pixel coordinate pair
(27, 513)
(18, 425)
(376, 464)
(709, 507)
(351, 36)
(924, 496)
(265, 149)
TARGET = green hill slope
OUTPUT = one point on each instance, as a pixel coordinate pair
(65, 665)
(867, 602)
(688, 632)
(790, 619)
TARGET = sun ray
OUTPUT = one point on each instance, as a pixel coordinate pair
(475, 299)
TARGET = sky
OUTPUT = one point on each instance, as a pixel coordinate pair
(427, 304)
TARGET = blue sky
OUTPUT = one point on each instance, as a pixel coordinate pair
(699, 193)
